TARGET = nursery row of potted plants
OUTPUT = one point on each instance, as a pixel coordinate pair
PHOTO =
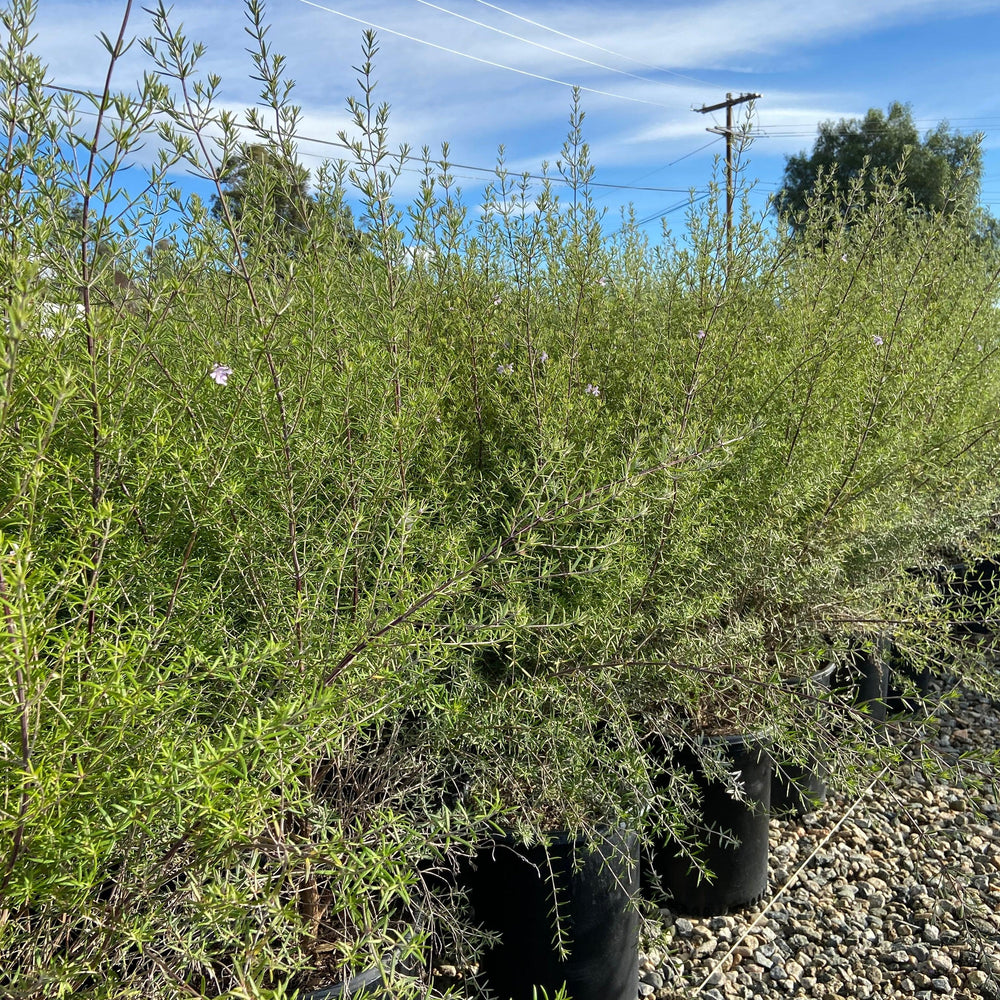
(564, 912)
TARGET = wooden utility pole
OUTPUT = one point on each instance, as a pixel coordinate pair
(729, 103)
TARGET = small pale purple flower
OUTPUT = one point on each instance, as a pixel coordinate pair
(543, 357)
(497, 301)
(507, 369)
(843, 257)
(602, 281)
(221, 373)
(593, 390)
(877, 340)
(701, 335)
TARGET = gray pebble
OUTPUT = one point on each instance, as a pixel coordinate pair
(762, 958)
(653, 979)
(940, 960)
(706, 948)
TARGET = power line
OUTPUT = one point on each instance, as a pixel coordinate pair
(600, 48)
(673, 208)
(415, 158)
(694, 195)
(916, 121)
(762, 134)
(538, 45)
(555, 179)
(485, 62)
(666, 166)
(852, 126)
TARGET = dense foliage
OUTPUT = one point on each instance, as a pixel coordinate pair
(314, 562)
(939, 173)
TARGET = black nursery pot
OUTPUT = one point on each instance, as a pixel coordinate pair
(735, 835)
(901, 669)
(514, 891)
(969, 590)
(863, 676)
(975, 588)
(375, 983)
(797, 789)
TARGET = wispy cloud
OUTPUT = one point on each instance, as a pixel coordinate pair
(684, 55)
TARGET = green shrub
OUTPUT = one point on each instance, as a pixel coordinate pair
(322, 551)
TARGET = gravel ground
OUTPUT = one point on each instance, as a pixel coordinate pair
(895, 895)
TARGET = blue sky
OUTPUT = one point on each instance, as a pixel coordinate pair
(809, 61)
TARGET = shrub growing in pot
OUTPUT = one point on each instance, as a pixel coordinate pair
(293, 497)
(710, 772)
(799, 784)
(553, 879)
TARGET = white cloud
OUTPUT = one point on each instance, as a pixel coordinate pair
(690, 55)
(706, 35)
(458, 95)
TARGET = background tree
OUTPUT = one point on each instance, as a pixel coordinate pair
(259, 184)
(268, 196)
(941, 172)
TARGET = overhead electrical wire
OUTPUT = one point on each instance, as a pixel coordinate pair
(486, 62)
(850, 126)
(688, 202)
(676, 207)
(555, 179)
(593, 45)
(538, 45)
(666, 166)
(764, 134)
(916, 121)
(415, 158)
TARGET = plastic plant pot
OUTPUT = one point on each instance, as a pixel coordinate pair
(800, 788)
(902, 670)
(981, 587)
(376, 982)
(863, 676)
(516, 892)
(970, 590)
(734, 831)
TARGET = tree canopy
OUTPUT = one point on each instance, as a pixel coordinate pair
(268, 199)
(940, 172)
(257, 179)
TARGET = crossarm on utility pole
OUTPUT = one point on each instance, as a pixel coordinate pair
(729, 103)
